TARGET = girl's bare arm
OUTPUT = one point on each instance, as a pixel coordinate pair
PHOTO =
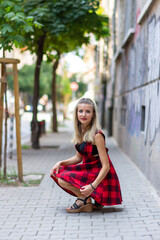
(100, 143)
(70, 161)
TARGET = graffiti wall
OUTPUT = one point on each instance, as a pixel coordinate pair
(137, 122)
(149, 97)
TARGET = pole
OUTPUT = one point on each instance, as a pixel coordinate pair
(18, 133)
(6, 130)
(1, 112)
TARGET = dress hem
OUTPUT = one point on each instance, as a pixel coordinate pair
(73, 194)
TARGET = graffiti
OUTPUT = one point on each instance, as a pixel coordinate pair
(153, 49)
(150, 97)
(131, 68)
(143, 67)
(137, 27)
(153, 119)
(141, 59)
(137, 61)
(140, 62)
(133, 116)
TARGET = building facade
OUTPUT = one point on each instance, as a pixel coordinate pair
(134, 86)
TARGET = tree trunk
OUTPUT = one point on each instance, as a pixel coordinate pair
(54, 99)
(34, 124)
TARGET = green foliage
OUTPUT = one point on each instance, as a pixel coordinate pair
(26, 81)
(63, 86)
(82, 87)
(46, 79)
(66, 24)
(25, 78)
(13, 24)
(26, 146)
(12, 180)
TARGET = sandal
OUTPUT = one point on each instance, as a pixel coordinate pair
(97, 205)
(86, 207)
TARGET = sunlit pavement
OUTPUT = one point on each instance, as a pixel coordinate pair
(36, 213)
(25, 120)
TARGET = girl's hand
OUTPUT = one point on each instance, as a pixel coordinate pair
(55, 168)
(86, 190)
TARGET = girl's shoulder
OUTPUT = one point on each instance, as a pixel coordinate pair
(100, 132)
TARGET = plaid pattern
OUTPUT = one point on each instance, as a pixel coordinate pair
(108, 191)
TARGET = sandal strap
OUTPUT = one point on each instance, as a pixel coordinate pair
(83, 200)
(75, 206)
(96, 204)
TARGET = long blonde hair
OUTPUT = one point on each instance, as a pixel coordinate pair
(89, 134)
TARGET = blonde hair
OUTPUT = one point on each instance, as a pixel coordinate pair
(91, 129)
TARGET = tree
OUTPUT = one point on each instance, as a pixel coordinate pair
(65, 26)
(83, 20)
(13, 25)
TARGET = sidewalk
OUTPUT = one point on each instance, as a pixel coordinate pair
(36, 213)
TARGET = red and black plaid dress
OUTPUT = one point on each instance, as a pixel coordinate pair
(108, 191)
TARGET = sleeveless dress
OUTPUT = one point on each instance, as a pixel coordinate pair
(108, 191)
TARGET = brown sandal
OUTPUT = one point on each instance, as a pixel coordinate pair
(97, 206)
(86, 207)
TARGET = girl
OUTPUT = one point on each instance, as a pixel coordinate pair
(95, 177)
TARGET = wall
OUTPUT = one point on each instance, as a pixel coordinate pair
(136, 123)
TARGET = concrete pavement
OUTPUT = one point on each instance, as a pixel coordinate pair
(31, 213)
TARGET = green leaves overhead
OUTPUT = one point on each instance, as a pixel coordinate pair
(6, 28)
(13, 24)
(66, 24)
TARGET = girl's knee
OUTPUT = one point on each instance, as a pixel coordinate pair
(61, 182)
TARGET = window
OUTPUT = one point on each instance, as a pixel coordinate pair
(115, 114)
(142, 118)
(105, 52)
(130, 14)
(123, 116)
(123, 111)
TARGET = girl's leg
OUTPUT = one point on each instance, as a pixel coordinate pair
(70, 187)
(74, 189)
